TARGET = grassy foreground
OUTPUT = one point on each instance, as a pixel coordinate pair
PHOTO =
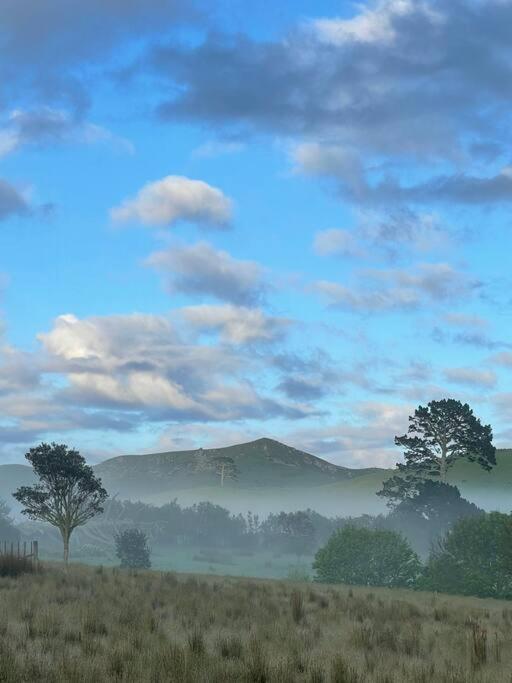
(105, 625)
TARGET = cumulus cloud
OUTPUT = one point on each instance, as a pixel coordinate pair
(471, 377)
(396, 289)
(176, 198)
(236, 324)
(202, 269)
(139, 363)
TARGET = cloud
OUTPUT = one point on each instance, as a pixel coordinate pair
(396, 289)
(390, 235)
(397, 78)
(374, 26)
(236, 324)
(12, 202)
(201, 269)
(471, 377)
(336, 242)
(403, 102)
(173, 199)
(366, 440)
(45, 126)
(42, 59)
(139, 364)
(503, 359)
(354, 181)
(465, 320)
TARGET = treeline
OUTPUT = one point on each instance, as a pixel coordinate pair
(423, 520)
(473, 558)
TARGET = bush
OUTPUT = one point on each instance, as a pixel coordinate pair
(367, 557)
(474, 558)
(11, 565)
(132, 549)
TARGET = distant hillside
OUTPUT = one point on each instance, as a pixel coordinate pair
(271, 477)
(260, 463)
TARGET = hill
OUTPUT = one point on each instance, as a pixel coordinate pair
(271, 477)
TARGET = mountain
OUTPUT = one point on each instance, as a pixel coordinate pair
(270, 477)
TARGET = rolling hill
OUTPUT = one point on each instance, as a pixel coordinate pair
(271, 477)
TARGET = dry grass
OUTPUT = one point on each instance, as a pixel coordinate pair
(104, 625)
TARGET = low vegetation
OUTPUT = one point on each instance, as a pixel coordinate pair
(108, 625)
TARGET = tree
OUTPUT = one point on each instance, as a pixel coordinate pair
(475, 558)
(225, 467)
(294, 528)
(132, 549)
(68, 493)
(427, 516)
(367, 557)
(439, 434)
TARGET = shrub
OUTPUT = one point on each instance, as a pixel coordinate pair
(474, 558)
(11, 565)
(132, 549)
(367, 557)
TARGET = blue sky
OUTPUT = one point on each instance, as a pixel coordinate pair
(286, 220)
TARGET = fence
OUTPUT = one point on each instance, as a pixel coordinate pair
(26, 550)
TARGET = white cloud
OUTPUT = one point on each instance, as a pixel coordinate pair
(176, 198)
(140, 364)
(372, 25)
(236, 324)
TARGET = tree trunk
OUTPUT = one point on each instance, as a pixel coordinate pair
(65, 539)
(442, 467)
(222, 476)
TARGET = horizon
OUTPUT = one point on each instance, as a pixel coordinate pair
(221, 222)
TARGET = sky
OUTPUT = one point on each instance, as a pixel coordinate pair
(223, 221)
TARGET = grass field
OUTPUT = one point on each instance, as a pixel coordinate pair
(105, 625)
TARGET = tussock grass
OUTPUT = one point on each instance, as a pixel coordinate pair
(108, 625)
